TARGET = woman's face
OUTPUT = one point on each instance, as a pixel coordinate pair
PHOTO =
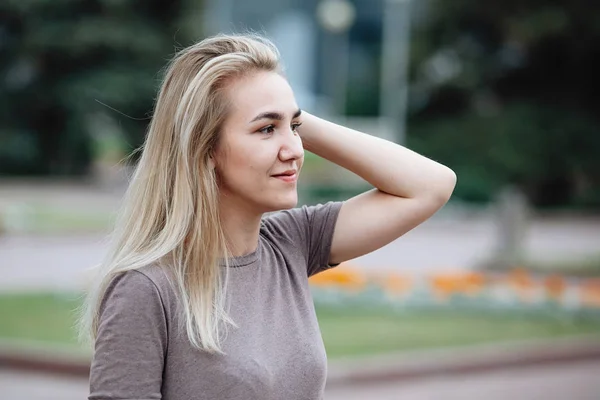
(259, 143)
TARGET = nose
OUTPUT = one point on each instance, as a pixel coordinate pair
(291, 147)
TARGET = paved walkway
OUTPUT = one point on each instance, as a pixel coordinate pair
(454, 239)
(578, 381)
(572, 381)
(447, 242)
(31, 386)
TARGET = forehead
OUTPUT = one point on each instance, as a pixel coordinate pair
(260, 92)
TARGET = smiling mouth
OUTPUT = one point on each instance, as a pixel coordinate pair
(287, 177)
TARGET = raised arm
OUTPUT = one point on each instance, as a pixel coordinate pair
(410, 188)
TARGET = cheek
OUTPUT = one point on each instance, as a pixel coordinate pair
(247, 167)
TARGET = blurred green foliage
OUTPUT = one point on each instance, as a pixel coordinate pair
(553, 156)
(66, 63)
(505, 92)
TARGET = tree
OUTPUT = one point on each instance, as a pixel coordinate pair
(505, 92)
(65, 61)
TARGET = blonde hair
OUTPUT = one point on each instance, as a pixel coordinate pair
(170, 213)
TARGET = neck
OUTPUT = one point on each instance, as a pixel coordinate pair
(241, 225)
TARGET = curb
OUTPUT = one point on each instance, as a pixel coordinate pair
(43, 358)
(403, 366)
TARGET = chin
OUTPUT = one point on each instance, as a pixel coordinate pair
(283, 203)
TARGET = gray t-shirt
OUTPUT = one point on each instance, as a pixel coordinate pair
(275, 353)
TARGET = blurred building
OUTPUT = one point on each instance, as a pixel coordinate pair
(331, 49)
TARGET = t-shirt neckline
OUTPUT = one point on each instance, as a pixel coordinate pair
(245, 260)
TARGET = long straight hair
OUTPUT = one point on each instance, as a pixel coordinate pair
(170, 212)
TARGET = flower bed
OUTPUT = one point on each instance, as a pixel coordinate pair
(515, 290)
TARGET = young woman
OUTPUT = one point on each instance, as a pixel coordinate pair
(203, 297)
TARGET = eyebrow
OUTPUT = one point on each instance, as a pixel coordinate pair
(274, 115)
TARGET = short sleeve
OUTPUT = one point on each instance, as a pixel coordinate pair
(311, 229)
(131, 341)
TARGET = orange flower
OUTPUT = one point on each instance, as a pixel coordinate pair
(468, 283)
(520, 278)
(522, 282)
(443, 285)
(555, 286)
(394, 284)
(590, 292)
(473, 283)
(342, 276)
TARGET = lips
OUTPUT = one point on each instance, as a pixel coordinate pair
(287, 176)
(289, 172)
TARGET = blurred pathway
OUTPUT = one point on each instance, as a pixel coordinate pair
(454, 239)
(571, 381)
(441, 244)
(576, 381)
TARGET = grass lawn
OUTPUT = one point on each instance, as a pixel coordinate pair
(40, 218)
(49, 318)
(352, 332)
(38, 317)
(50, 221)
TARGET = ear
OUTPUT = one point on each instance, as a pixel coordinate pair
(211, 162)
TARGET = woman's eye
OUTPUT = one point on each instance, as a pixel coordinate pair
(267, 130)
(296, 126)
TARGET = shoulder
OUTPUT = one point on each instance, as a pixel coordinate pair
(142, 288)
(306, 230)
(146, 279)
(157, 274)
(300, 219)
